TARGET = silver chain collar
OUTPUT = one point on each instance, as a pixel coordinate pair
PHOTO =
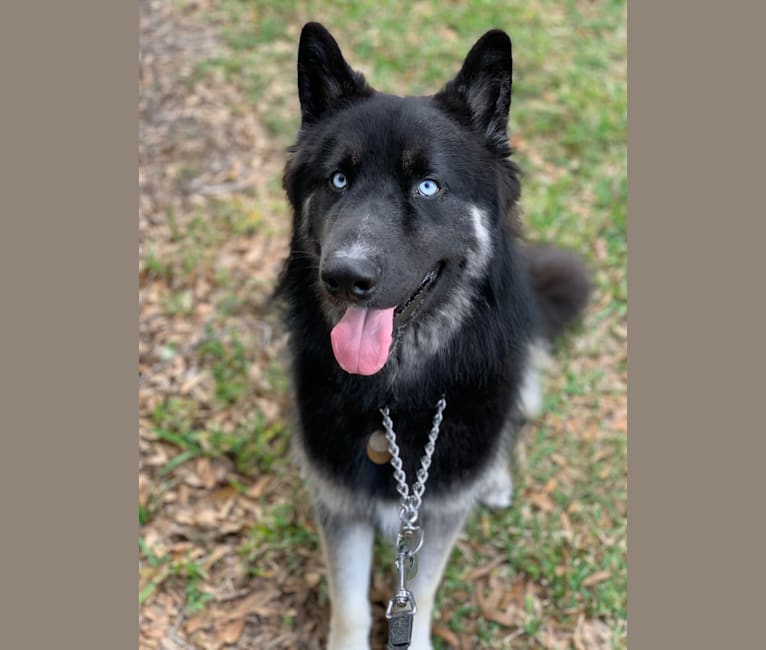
(411, 502)
(401, 608)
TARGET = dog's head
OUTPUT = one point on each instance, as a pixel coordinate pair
(397, 200)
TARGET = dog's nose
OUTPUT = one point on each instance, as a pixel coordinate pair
(352, 278)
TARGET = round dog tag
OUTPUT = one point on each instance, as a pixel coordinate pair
(377, 448)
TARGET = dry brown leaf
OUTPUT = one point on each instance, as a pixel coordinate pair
(506, 619)
(595, 578)
(251, 604)
(480, 598)
(189, 478)
(495, 596)
(206, 518)
(204, 469)
(550, 486)
(190, 383)
(485, 526)
(218, 553)
(485, 569)
(543, 502)
(591, 635)
(447, 635)
(260, 486)
(312, 579)
(566, 524)
(223, 494)
(195, 623)
(600, 455)
(230, 632)
(559, 459)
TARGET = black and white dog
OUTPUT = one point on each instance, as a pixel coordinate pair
(407, 280)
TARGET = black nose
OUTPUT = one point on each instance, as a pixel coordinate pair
(352, 278)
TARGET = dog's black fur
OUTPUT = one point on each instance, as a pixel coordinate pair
(405, 215)
(524, 293)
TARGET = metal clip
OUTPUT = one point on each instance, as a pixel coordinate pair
(400, 623)
(401, 608)
(409, 540)
(403, 602)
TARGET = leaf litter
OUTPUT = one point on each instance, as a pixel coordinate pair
(229, 554)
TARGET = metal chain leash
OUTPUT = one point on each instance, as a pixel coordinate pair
(401, 608)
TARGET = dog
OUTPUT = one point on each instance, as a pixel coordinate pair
(408, 279)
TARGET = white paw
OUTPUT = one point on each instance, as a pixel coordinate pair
(499, 491)
(349, 634)
(421, 646)
(421, 641)
(359, 643)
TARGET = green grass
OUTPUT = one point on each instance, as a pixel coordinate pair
(279, 530)
(196, 242)
(229, 366)
(254, 446)
(190, 572)
(568, 126)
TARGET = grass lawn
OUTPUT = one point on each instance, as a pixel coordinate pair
(228, 546)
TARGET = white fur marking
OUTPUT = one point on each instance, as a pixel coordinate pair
(303, 224)
(483, 250)
(531, 398)
(433, 331)
(356, 249)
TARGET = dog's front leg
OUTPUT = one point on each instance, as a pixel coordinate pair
(440, 533)
(347, 546)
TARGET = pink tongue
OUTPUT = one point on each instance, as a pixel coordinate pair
(361, 339)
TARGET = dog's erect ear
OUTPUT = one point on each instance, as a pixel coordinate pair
(481, 91)
(325, 81)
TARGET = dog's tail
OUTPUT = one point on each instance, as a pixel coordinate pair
(561, 286)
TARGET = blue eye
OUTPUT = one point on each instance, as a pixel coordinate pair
(428, 188)
(339, 180)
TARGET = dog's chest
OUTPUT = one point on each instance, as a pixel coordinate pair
(339, 448)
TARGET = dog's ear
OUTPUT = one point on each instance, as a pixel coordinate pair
(325, 81)
(480, 94)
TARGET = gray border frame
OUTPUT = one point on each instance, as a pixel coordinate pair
(68, 269)
(695, 169)
(68, 260)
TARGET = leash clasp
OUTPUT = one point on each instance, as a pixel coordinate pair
(401, 608)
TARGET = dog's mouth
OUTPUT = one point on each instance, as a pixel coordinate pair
(409, 307)
(364, 337)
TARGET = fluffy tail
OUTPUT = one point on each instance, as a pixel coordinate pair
(561, 285)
